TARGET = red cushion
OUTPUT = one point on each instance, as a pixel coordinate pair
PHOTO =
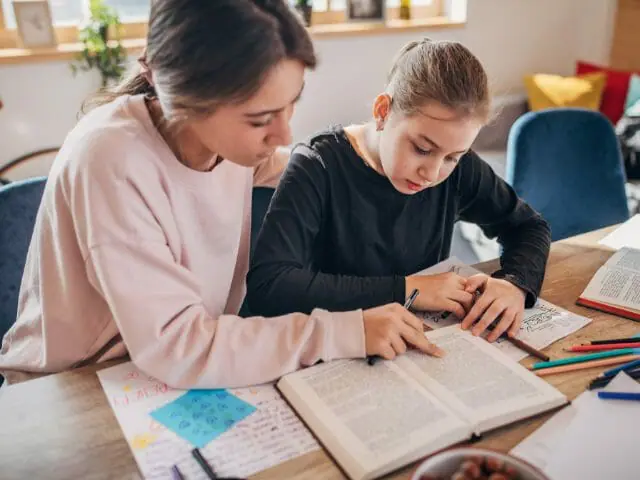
(615, 91)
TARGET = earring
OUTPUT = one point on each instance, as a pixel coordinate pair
(379, 125)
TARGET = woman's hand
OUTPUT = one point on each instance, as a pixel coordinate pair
(498, 299)
(445, 291)
(388, 330)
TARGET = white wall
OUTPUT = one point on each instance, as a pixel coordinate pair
(511, 37)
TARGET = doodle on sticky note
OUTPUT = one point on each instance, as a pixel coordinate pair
(199, 416)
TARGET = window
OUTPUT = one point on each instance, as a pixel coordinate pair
(337, 5)
(67, 15)
(71, 12)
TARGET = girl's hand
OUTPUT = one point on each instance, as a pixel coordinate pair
(445, 291)
(498, 298)
(389, 328)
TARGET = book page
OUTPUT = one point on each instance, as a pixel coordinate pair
(272, 434)
(618, 281)
(372, 419)
(478, 381)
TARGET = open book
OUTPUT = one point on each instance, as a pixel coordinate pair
(615, 288)
(376, 419)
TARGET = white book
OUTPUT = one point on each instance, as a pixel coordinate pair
(376, 419)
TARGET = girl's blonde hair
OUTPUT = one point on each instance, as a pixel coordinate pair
(440, 71)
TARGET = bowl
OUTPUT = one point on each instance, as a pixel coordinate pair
(445, 464)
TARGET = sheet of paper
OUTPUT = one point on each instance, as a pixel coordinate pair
(626, 235)
(270, 435)
(601, 441)
(538, 447)
(543, 324)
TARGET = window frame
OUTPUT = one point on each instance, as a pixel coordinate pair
(68, 35)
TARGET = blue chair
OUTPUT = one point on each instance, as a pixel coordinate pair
(261, 198)
(566, 163)
(19, 202)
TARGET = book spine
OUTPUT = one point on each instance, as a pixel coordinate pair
(621, 312)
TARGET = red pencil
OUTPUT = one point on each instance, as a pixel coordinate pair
(599, 348)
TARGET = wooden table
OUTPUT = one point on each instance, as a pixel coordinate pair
(61, 426)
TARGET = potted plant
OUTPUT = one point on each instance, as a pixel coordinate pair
(304, 7)
(97, 53)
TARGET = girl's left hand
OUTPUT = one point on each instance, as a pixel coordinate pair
(498, 298)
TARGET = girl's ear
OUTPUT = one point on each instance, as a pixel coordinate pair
(381, 110)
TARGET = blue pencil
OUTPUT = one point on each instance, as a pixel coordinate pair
(619, 395)
(627, 366)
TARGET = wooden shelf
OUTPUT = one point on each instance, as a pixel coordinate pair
(66, 51)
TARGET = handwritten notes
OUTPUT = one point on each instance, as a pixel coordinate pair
(542, 325)
(269, 435)
(199, 416)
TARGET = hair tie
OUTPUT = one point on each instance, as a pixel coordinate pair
(145, 71)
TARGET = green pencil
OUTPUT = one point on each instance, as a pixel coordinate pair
(585, 358)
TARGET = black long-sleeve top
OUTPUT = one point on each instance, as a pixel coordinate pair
(339, 236)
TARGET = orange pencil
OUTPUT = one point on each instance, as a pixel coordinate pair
(584, 365)
(599, 348)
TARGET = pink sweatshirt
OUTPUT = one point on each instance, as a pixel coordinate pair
(129, 241)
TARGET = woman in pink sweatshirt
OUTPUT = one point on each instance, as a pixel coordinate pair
(141, 243)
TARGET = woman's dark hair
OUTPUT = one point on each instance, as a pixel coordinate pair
(203, 53)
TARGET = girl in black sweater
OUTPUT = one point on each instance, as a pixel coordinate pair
(360, 209)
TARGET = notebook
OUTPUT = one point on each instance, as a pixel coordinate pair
(615, 288)
(376, 419)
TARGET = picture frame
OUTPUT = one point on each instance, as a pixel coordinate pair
(34, 23)
(373, 11)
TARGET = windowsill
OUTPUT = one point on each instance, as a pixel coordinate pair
(69, 50)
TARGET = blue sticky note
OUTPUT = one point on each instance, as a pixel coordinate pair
(199, 416)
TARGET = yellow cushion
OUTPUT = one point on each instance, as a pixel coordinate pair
(548, 91)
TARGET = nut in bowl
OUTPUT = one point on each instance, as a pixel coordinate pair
(469, 463)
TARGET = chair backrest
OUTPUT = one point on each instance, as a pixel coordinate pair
(261, 198)
(30, 165)
(566, 163)
(19, 202)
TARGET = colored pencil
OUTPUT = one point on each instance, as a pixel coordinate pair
(620, 395)
(176, 474)
(585, 358)
(626, 366)
(585, 365)
(602, 347)
(525, 347)
(204, 464)
(635, 338)
(601, 382)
